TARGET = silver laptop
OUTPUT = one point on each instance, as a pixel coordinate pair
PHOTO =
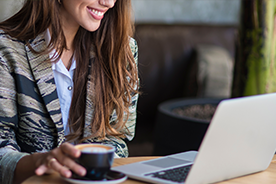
(240, 140)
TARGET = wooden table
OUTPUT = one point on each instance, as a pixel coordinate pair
(268, 176)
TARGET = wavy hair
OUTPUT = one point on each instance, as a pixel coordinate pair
(114, 72)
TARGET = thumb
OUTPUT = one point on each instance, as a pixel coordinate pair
(41, 170)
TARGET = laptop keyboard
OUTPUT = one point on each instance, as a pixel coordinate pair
(178, 174)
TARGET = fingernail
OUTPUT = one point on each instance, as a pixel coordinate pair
(82, 172)
(67, 174)
(77, 153)
(38, 171)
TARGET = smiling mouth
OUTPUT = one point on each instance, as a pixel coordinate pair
(98, 13)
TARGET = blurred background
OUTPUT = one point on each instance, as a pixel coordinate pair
(194, 49)
(187, 49)
(9, 7)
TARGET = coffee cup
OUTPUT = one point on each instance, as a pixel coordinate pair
(97, 159)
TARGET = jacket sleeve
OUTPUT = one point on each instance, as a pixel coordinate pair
(118, 143)
(9, 150)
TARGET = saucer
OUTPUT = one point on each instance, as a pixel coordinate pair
(112, 177)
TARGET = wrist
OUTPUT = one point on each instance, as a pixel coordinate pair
(22, 172)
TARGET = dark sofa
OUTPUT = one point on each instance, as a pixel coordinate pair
(168, 68)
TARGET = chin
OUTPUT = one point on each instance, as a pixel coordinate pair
(92, 28)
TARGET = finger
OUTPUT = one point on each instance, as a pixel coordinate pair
(64, 171)
(65, 160)
(41, 170)
(71, 164)
(70, 150)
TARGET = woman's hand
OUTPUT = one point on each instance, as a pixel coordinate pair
(61, 160)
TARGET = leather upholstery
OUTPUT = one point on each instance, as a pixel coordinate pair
(167, 65)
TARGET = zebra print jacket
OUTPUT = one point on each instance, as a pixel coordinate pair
(30, 115)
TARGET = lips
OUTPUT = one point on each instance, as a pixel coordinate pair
(96, 14)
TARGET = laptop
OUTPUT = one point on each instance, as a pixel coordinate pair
(240, 140)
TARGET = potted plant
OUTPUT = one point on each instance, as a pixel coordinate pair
(181, 124)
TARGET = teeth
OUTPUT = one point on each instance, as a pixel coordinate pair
(97, 12)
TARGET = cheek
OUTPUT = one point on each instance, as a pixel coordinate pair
(79, 14)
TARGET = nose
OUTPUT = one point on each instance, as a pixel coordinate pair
(107, 3)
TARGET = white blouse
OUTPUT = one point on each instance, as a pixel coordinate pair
(64, 83)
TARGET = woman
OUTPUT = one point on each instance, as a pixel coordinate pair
(68, 74)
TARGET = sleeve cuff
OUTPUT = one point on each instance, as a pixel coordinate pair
(8, 165)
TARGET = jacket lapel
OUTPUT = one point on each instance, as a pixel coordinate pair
(44, 77)
(89, 98)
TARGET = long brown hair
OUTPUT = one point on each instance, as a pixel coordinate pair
(113, 72)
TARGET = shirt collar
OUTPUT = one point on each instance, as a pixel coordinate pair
(47, 36)
(55, 65)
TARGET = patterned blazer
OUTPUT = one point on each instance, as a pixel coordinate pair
(30, 115)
